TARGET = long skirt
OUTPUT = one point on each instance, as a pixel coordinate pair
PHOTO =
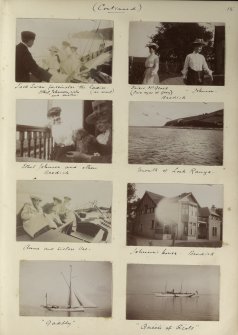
(149, 78)
(194, 77)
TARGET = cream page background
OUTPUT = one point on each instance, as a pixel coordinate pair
(119, 172)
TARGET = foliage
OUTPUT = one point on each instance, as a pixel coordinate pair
(132, 202)
(175, 40)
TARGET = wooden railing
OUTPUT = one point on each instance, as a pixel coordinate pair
(34, 142)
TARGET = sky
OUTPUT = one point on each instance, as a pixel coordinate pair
(140, 33)
(92, 279)
(150, 278)
(154, 113)
(81, 192)
(51, 32)
(34, 112)
(206, 195)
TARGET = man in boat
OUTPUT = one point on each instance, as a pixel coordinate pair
(101, 119)
(25, 64)
(195, 65)
(67, 216)
(33, 218)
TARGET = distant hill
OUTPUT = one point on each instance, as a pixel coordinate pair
(206, 120)
(104, 33)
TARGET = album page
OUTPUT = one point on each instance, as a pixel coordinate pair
(119, 167)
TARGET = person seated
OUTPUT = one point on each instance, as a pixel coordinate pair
(85, 142)
(101, 118)
(32, 216)
(67, 216)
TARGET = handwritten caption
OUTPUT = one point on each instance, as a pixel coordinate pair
(54, 169)
(177, 170)
(29, 247)
(169, 252)
(179, 327)
(63, 324)
(119, 9)
(65, 90)
(165, 92)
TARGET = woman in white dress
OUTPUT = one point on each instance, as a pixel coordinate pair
(152, 66)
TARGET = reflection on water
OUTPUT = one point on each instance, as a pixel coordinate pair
(88, 312)
(149, 307)
(149, 145)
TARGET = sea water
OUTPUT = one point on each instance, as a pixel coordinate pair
(162, 145)
(149, 307)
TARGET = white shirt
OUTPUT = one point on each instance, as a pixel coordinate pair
(196, 62)
(104, 137)
(62, 134)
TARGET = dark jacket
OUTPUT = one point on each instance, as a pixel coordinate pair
(25, 64)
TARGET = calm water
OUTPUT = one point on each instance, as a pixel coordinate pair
(150, 307)
(175, 146)
(103, 309)
(39, 311)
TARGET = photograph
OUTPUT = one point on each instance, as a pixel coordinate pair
(65, 289)
(172, 292)
(72, 131)
(64, 211)
(64, 51)
(179, 133)
(177, 215)
(177, 53)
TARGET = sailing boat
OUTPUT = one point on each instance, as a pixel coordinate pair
(76, 302)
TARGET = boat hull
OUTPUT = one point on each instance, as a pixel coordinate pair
(64, 309)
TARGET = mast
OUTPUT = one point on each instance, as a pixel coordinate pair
(70, 287)
(46, 299)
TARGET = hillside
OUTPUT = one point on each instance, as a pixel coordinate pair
(206, 120)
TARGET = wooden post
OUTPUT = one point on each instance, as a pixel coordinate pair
(21, 139)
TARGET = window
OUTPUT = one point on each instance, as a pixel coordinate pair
(152, 224)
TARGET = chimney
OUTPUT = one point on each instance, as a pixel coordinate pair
(213, 208)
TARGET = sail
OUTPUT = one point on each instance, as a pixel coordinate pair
(83, 301)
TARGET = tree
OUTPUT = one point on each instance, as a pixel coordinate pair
(175, 41)
(132, 201)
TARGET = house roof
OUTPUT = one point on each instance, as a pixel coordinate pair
(205, 212)
(154, 197)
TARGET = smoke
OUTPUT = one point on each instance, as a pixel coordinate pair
(166, 212)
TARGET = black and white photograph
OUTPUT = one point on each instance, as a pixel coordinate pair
(64, 51)
(72, 131)
(176, 133)
(65, 289)
(172, 292)
(176, 53)
(64, 211)
(179, 215)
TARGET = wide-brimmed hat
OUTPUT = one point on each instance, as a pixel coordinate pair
(149, 45)
(57, 199)
(199, 41)
(66, 43)
(53, 48)
(67, 198)
(54, 111)
(35, 197)
(103, 115)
